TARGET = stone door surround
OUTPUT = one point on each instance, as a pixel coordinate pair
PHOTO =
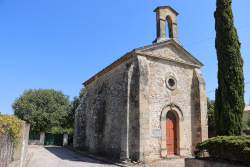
(179, 128)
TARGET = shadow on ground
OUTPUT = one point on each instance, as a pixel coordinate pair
(66, 154)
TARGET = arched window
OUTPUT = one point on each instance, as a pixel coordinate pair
(169, 28)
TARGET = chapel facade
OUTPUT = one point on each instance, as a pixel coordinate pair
(150, 103)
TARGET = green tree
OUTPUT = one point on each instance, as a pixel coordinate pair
(74, 104)
(82, 93)
(42, 108)
(210, 114)
(248, 121)
(229, 97)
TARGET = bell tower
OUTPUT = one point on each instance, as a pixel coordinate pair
(166, 16)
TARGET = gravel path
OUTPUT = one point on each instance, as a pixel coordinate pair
(55, 156)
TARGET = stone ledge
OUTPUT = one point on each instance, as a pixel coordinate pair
(191, 162)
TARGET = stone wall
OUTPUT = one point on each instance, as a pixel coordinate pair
(106, 122)
(21, 150)
(190, 162)
(189, 98)
(38, 142)
(123, 113)
(8, 154)
(161, 96)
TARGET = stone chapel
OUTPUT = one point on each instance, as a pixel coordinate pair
(150, 103)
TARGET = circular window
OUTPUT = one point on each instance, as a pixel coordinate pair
(171, 82)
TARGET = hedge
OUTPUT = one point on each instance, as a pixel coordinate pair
(232, 149)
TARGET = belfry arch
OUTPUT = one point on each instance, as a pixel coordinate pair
(166, 16)
(179, 129)
(170, 27)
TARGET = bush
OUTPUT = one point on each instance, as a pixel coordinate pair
(11, 125)
(234, 149)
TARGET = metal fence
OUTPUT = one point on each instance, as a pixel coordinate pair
(6, 148)
(34, 136)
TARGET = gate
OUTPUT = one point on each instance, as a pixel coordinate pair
(34, 136)
(53, 139)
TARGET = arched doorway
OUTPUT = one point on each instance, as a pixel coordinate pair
(172, 111)
(171, 133)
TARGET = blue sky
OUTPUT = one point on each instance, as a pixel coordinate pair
(59, 44)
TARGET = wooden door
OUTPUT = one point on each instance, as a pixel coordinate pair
(171, 139)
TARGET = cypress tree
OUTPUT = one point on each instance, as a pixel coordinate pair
(229, 97)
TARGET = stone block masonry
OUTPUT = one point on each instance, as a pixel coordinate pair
(124, 111)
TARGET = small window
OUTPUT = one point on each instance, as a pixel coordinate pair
(171, 82)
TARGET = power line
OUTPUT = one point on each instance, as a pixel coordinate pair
(212, 37)
(243, 26)
(198, 42)
(210, 91)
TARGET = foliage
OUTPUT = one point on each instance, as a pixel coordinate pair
(210, 114)
(82, 93)
(246, 124)
(248, 121)
(42, 108)
(59, 130)
(227, 148)
(74, 104)
(229, 97)
(11, 125)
